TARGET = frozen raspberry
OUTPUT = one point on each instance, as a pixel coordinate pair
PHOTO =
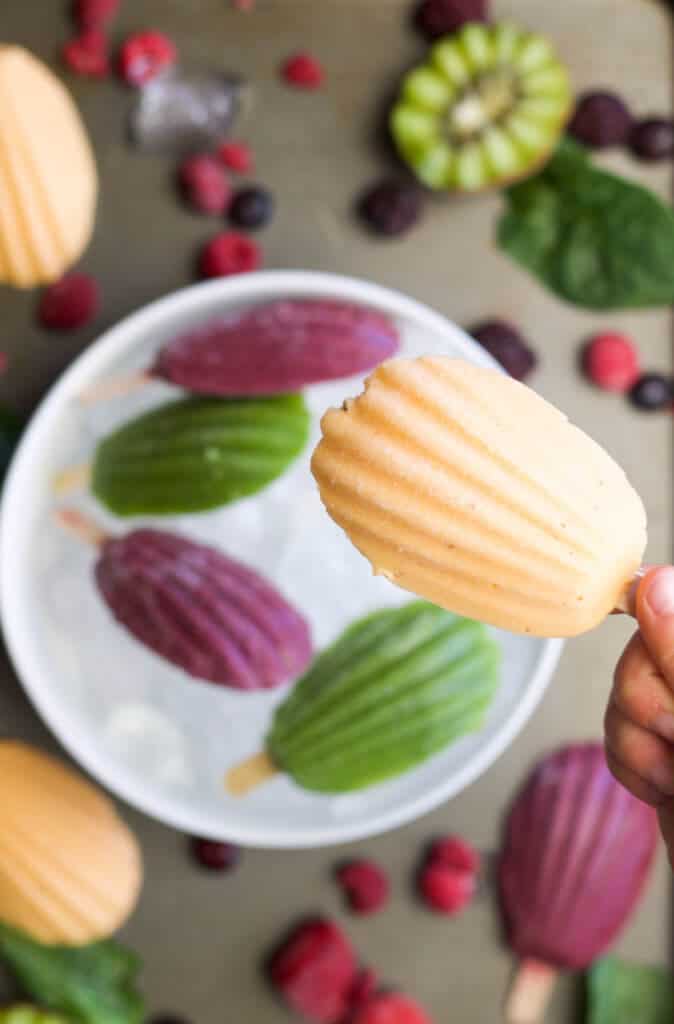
(651, 392)
(446, 889)
(438, 18)
(237, 157)
(363, 989)
(252, 208)
(611, 361)
(507, 346)
(71, 302)
(303, 71)
(601, 119)
(204, 184)
(391, 1008)
(229, 253)
(94, 13)
(391, 207)
(365, 885)
(653, 139)
(87, 54)
(455, 853)
(213, 855)
(144, 55)
(315, 971)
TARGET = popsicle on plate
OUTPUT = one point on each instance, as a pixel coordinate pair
(467, 488)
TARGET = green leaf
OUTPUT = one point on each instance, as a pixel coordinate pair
(22, 1013)
(89, 984)
(595, 239)
(621, 993)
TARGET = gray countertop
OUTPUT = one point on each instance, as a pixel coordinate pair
(202, 937)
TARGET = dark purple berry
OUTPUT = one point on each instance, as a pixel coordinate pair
(653, 139)
(507, 346)
(213, 855)
(651, 392)
(251, 207)
(438, 18)
(167, 1018)
(601, 119)
(391, 207)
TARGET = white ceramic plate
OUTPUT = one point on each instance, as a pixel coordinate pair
(155, 737)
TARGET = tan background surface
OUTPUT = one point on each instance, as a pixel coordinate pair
(202, 936)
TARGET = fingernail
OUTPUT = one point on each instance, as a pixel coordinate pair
(663, 724)
(660, 593)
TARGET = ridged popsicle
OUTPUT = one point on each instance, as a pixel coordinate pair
(467, 488)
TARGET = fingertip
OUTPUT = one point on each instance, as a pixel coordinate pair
(655, 594)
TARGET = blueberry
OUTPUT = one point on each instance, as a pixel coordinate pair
(601, 119)
(653, 139)
(213, 855)
(391, 207)
(507, 346)
(251, 207)
(652, 391)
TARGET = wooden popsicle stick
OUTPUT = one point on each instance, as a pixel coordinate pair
(114, 387)
(76, 478)
(627, 601)
(249, 774)
(530, 992)
(81, 526)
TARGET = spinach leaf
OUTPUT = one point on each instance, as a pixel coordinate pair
(594, 238)
(621, 993)
(89, 984)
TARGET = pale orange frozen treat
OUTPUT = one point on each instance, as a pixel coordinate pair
(466, 487)
(48, 181)
(70, 869)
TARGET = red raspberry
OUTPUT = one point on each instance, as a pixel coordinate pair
(87, 54)
(611, 361)
(363, 989)
(94, 13)
(365, 885)
(69, 303)
(144, 55)
(445, 889)
(455, 853)
(205, 184)
(303, 71)
(315, 971)
(213, 855)
(236, 156)
(229, 253)
(391, 1008)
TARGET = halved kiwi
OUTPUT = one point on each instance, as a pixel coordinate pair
(486, 108)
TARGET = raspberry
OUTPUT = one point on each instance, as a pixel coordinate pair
(365, 885)
(315, 971)
(205, 184)
(213, 855)
(653, 139)
(252, 208)
(391, 1008)
(87, 54)
(455, 853)
(363, 989)
(611, 361)
(438, 18)
(69, 303)
(391, 207)
(507, 346)
(601, 119)
(144, 55)
(229, 253)
(94, 13)
(445, 889)
(303, 71)
(651, 392)
(236, 156)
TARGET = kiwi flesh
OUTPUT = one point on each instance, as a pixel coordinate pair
(485, 109)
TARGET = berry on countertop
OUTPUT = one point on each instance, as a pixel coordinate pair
(391, 1008)
(144, 55)
(652, 391)
(601, 119)
(315, 970)
(167, 1018)
(365, 884)
(236, 156)
(438, 18)
(213, 855)
(243, 5)
(391, 207)
(252, 207)
(229, 253)
(205, 185)
(303, 71)
(611, 361)
(87, 54)
(69, 303)
(363, 989)
(446, 889)
(507, 346)
(653, 139)
(94, 13)
(454, 852)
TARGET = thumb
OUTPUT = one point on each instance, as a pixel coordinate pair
(655, 612)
